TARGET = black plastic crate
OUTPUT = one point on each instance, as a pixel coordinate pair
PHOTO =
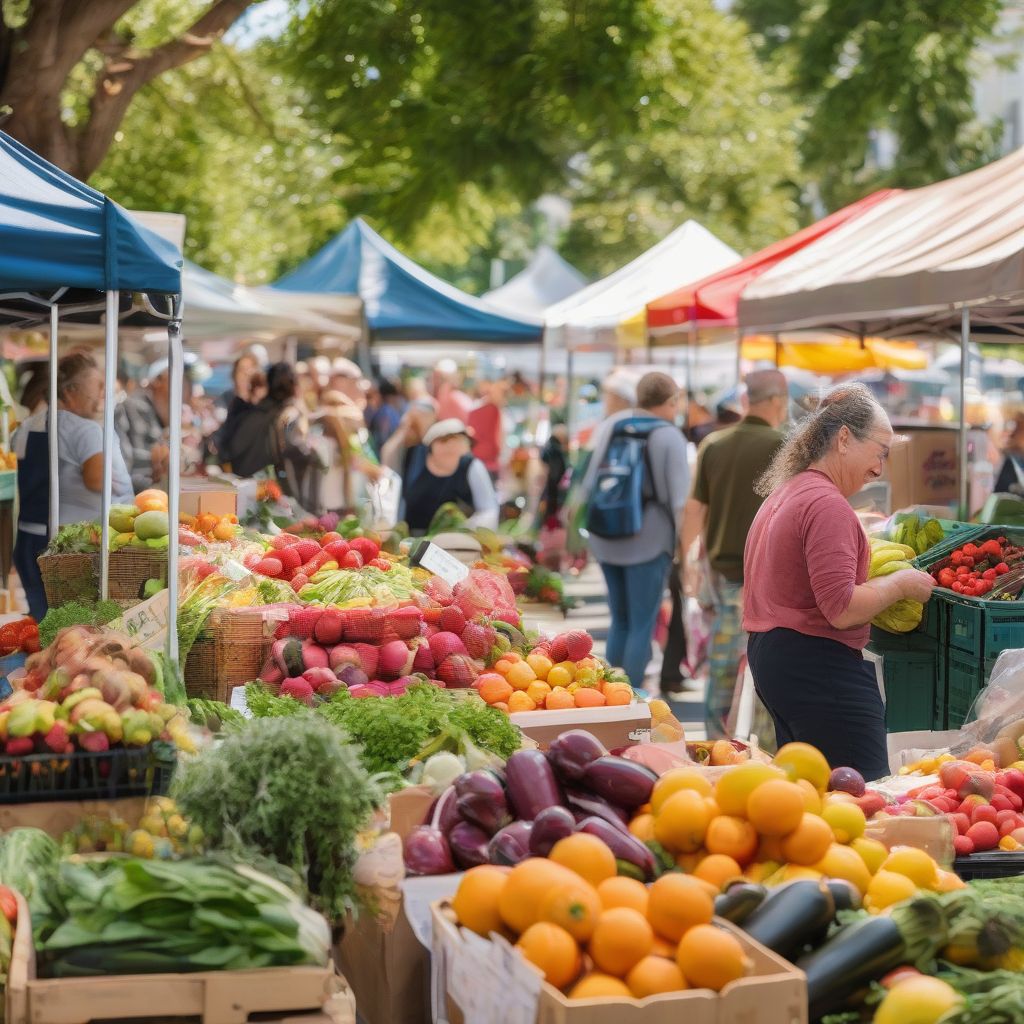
(43, 778)
(991, 864)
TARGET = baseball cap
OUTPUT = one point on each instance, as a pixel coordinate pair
(621, 385)
(162, 365)
(446, 428)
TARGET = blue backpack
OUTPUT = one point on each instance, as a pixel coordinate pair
(622, 487)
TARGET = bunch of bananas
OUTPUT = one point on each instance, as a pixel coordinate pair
(917, 535)
(888, 557)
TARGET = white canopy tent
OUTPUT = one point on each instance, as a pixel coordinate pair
(545, 280)
(924, 261)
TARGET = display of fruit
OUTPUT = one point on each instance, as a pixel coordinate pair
(888, 557)
(206, 528)
(976, 570)
(22, 635)
(305, 560)
(909, 530)
(162, 833)
(143, 524)
(89, 690)
(557, 674)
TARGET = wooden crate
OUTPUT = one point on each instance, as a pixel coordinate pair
(212, 997)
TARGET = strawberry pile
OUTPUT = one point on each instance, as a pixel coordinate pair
(297, 560)
(972, 569)
(22, 635)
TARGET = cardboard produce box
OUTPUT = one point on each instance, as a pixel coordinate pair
(466, 991)
(615, 727)
(199, 495)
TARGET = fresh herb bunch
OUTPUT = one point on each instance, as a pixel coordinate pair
(76, 613)
(392, 730)
(291, 788)
(75, 538)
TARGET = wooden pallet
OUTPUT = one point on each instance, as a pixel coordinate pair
(213, 997)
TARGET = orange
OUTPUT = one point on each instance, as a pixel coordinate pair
(589, 697)
(687, 862)
(948, 881)
(586, 855)
(887, 888)
(677, 903)
(575, 908)
(914, 863)
(642, 826)
(527, 886)
(871, 851)
(733, 789)
(553, 950)
(842, 862)
(812, 798)
(206, 522)
(559, 677)
(568, 666)
(717, 868)
(538, 692)
(621, 891)
(711, 957)
(502, 666)
(662, 947)
(733, 836)
(618, 694)
(674, 780)
(520, 701)
(540, 663)
(476, 900)
(775, 808)
(682, 822)
(600, 986)
(802, 761)
(559, 699)
(621, 939)
(654, 975)
(808, 842)
(520, 675)
(492, 688)
(847, 821)
(223, 530)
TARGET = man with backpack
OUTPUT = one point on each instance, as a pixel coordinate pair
(635, 489)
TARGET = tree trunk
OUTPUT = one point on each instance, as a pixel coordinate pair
(37, 59)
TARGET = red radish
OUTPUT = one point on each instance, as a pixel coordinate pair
(313, 655)
(405, 622)
(1001, 803)
(986, 813)
(423, 661)
(395, 659)
(352, 560)
(961, 822)
(343, 655)
(329, 627)
(269, 567)
(299, 689)
(329, 538)
(444, 644)
(963, 845)
(369, 658)
(1009, 826)
(1018, 834)
(271, 674)
(366, 625)
(337, 549)
(318, 675)
(984, 835)
(458, 671)
(452, 620)
(307, 549)
(367, 548)
(289, 559)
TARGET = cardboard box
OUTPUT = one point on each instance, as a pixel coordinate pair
(199, 495)
(61, 816)
(923, 469)
(615, 727)
(408, 808)
(774, 993)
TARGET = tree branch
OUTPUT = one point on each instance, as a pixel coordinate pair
(124, 75)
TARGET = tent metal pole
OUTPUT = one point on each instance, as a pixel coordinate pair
(965, 341)
(109, 437)
(176, 367)
(739, 358)
(51, 437)
(568, 391)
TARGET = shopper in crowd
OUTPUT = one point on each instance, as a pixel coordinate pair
(80, 468)
(719, 512)
(450, 473)
(452, 401)
(142, 421)
(486, 423)
(404, 451)
(1011, 473)
(35, 388)
(248, 389)
(555, 456)
(808, 602)
(347, 380)
(635, 568)
(387, 415)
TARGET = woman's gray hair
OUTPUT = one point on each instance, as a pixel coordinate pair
(846, 405)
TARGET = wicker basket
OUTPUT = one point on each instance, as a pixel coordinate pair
(69, 577)
(229, 652)
(130, 568)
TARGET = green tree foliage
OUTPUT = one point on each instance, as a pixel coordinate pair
(860, 66)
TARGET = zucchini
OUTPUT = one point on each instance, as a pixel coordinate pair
(791, 917)
(739, 901)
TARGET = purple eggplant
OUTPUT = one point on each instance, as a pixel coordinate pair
(481, 800)
(632, 857)
(446, 810)
(584, 803)
(468, 845)
(427, 852)
(623, 783)
(572, 751)
(552, 824)
(531, 784)
(511, 845)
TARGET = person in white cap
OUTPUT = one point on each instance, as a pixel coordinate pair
(450, 474)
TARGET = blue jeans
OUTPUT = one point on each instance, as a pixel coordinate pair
(634, 597)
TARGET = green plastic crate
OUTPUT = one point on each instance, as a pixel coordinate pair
(909, 678)
(939, 700)
(957, 534)
(965, 678)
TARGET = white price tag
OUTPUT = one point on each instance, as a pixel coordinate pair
(234, 570)
(441, 563)
(146, 623)
(238, 701)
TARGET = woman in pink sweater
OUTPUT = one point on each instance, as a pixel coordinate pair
(808, 603)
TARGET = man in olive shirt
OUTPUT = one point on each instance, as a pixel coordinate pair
(719, 511)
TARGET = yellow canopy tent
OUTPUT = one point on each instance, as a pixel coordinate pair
(845, 355)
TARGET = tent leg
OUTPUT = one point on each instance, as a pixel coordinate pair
(176, 366)
(739, 358)
(965, 341)
(568, 391)
(52, 427)
(109, 438)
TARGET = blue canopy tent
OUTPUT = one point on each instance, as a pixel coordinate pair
(402, 301)
(68, 250)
